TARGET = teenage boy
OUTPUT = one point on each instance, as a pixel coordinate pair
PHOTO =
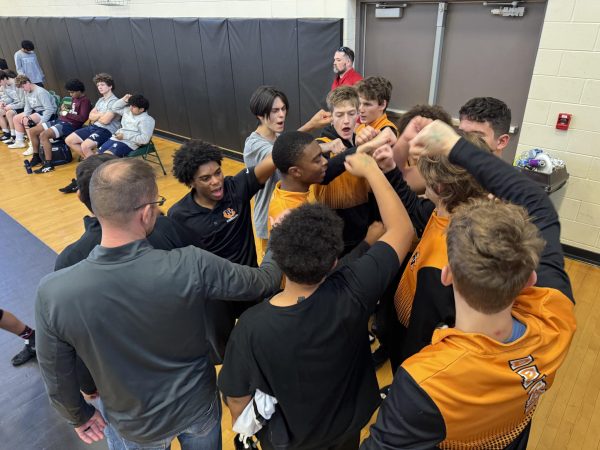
(322, 377)
(136, 126)
(374, 94)
(488, 117)
(347, 195)
(27, 64)
(478, 383)
(269, 105)
(343, 62)
(104, 123)
(12, 103)
(40, 107)
(12, 324)
(301, 163)
(70, 119)
(216, 216)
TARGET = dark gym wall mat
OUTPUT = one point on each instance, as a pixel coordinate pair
(198, 74)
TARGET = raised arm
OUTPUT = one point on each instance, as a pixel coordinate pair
(220, 279)
(507, 183)
(320, 120)
(398, 228)
(264, 169)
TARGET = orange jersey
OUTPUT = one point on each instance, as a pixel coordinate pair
(379, 124)
(485, 390)
(345, 191)
(282, 200)
(430, 252)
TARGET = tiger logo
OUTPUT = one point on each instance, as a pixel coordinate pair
(229, 213)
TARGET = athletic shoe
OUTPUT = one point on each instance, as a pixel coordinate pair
(35, 161)
(9, 141)
(6, 137)
(18, 144)
(26, 354)
(70, 188)
(47, 167)
(29, 151)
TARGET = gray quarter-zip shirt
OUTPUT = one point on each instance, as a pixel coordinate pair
(135, 316)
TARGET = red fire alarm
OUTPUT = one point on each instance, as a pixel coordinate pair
(563, 121)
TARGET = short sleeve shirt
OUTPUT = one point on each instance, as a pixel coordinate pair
(104, 105)
(225, 230)
(314, 356)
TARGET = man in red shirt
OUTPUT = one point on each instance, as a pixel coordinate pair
(343, 60)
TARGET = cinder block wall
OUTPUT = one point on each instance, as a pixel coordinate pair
(566, 79)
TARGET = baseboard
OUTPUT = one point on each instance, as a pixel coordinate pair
(229, 153)
(581, 254)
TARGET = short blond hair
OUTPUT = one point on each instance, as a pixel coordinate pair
(342, 94)
(493, 247)
(451, 183)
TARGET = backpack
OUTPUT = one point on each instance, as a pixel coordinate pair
(61, 153)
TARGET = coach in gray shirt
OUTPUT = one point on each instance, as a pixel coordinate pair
(135, 316)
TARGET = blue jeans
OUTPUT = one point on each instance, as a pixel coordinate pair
(204, 434)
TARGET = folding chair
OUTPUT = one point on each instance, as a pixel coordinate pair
(148, 153)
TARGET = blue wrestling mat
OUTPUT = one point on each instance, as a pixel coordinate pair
(27, 421)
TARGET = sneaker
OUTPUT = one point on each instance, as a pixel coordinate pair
(6, 137)
(380, 356)
(47, 167)
(70, 188)
(29, 151)
(18, 144)
(9, 141)
(24, 355)
(35, 161)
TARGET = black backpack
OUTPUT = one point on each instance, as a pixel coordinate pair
(61, 153)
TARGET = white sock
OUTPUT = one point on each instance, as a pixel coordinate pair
(19, 136)
(12, 133)
(5, 130)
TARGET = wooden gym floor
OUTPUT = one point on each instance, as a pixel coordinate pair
(569, 413)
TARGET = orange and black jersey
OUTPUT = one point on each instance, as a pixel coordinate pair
(466, 390)
(422, 302)
(348, 195)
(380, 124)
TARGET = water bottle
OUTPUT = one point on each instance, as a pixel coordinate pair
(27, 167)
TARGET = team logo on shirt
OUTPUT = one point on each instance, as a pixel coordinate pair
(413, 260)
(229, 214)
(531, 379)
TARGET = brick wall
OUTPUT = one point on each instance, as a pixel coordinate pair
(567, 79)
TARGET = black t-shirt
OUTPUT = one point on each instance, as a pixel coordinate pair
(225, 230)
(314, 356)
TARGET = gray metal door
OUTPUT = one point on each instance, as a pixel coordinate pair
(481, 54)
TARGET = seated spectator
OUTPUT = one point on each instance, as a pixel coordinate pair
(269, 105)
(478, 383)
(104, 123)
(374, 94)
(488, 117)
(322, 378)
(27, 64)
(12, 324)
(40, 107)
(136, 126)
(216, 216)
(69, 120)
(12, 103)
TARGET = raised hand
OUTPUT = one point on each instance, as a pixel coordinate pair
(360, 165)
(365, 135)
(384, 156)
(437, 138)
